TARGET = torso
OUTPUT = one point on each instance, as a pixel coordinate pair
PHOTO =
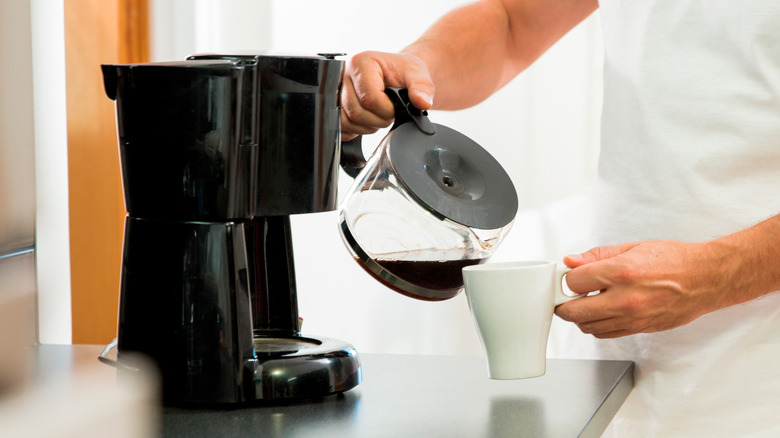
(691, 152)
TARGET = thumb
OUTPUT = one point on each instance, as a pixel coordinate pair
(597, 254)
(412, 73)
(421, 94)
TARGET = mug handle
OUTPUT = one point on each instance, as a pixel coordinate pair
(560, 296)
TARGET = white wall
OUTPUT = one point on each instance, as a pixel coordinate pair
(51, 164)
(185, 27)
(543, 127)
(33, 130)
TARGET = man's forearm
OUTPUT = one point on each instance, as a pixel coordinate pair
(466, 51)
(477, 49)
(750, 261)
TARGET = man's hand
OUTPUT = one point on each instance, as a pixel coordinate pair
(659, 285)
(365, 106)
(645, 287)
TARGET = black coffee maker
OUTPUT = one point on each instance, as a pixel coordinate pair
(216, 153)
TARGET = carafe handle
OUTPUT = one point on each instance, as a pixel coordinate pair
(352, 158)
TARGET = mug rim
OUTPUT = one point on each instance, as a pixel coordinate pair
(503, 266)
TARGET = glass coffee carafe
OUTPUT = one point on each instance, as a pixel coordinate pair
(428, 202)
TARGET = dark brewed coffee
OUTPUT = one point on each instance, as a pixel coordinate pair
(433, 280)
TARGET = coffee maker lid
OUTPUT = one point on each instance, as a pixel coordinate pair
(153, 70)
(242, 55)
(453, 176)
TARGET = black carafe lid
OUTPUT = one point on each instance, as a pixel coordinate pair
(449, 173)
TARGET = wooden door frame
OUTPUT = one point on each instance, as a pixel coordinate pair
(97, 32)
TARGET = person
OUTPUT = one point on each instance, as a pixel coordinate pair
(686, 196)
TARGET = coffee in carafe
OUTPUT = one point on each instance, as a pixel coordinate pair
(444, 277)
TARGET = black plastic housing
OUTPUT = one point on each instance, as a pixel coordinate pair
(225, 137)
(216, 153)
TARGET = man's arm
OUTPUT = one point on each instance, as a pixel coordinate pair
(476, 50)
(467, 55)
(659, 285)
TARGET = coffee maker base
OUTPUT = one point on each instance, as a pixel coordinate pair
(300, 367)
(284, 368)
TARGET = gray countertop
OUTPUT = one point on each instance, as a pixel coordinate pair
(408, 396)
(433, 396)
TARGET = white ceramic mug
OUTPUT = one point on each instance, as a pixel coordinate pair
(512, 305)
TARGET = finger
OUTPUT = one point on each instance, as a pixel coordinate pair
(611, 325)
(347, 135)
(374, 71)
(599, 327)
(590, 278)
(410, 72)
(589, 309)
(420, 88)
(597, 254)
(368, 81)
(354, 117)
(614, 334)
(598, 269)
(350, 130)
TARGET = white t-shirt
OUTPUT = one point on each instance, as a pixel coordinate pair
(691, 152)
